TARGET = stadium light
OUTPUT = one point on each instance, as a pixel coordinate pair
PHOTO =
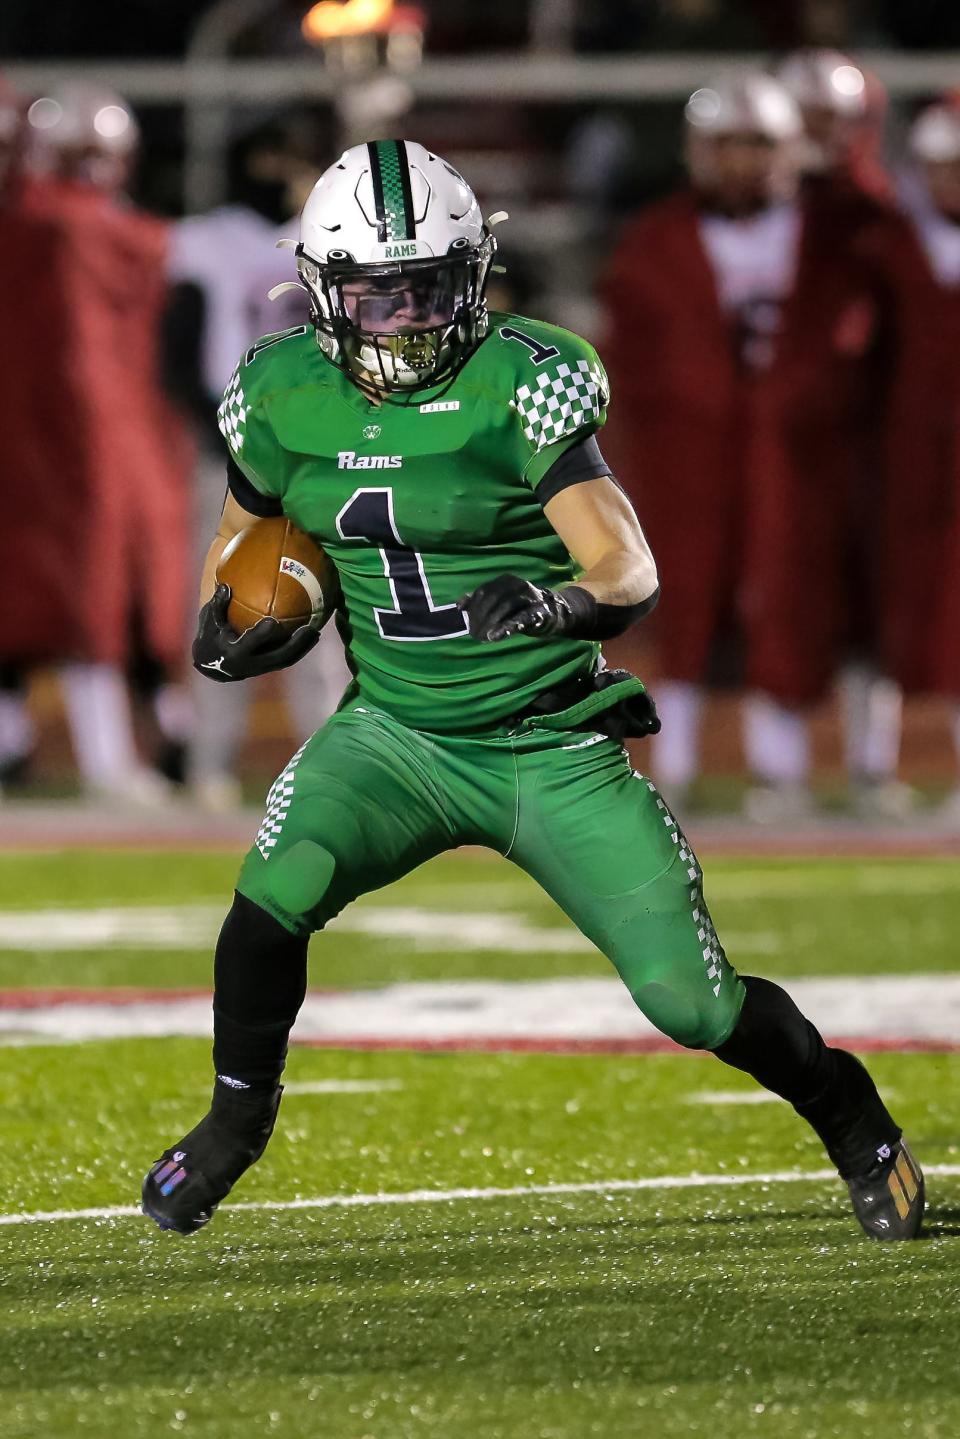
(344, 19)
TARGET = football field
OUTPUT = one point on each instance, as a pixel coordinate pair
(495, 1205)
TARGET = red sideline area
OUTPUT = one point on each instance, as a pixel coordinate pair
(30, 999)
(512, 1044)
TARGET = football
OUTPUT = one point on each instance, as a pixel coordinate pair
(278, 572)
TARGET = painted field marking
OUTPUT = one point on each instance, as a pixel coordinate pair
(341, 1086)
(749, 1096)
(732, 1096)
(907, 1011)
(449, 1196)
(196, 926)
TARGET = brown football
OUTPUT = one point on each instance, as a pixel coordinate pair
(278, 572)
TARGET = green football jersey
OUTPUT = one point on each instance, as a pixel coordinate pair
(418, 503)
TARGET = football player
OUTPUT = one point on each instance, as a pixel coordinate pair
(447, 460)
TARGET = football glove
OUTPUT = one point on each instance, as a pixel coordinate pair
(221, 654)
(510, 605)
(633, 718)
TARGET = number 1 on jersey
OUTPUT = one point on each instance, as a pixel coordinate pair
(368, 515)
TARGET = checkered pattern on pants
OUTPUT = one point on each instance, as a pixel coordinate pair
(713, 953)
(278, 802)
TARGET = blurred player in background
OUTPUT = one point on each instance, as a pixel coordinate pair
(741, 336)
(845, 184)
(95, 499)
(842, 107)
(920, 265)
(216, 308)
(23, 243)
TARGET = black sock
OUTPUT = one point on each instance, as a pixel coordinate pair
(829, 1088)
(260, 979)
(778, 1045)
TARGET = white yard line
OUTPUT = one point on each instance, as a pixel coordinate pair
(465, 1013)
(341, 1086)
(447, 1196)
(732, 1096)
(749, 1097)
(196, 926)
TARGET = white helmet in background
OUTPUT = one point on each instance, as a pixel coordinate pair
(741, 103)
(935, 145)
(935, 134)
(394, 254)
(83, 132)
(825, 80)
(834, 96)
(748, 105)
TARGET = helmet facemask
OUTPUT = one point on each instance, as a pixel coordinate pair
(400, 327)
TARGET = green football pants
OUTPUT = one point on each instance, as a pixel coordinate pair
(366, 800)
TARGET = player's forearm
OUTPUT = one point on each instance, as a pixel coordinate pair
(208, 580)
(233, 520)
(613, 594)
(622, 577)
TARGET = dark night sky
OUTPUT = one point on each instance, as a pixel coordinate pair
(112, 28)
(95, 27)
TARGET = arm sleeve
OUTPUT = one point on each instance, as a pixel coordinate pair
(577, 462)
(247, 496)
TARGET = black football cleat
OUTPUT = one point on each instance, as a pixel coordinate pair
(889, 1199)
(188, 1181)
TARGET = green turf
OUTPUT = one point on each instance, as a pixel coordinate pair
(757, 1310)
(777, 917)
(713, 1311)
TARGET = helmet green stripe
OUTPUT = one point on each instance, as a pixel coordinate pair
(395, 182)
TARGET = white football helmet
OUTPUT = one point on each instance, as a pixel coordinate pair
(84, 132)
(835, 101)
(394, 255)
(744, 102)
(825, 80)
(935, 134)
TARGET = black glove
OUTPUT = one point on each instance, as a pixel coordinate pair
(221, 654)
(633, 718)
(509, 605)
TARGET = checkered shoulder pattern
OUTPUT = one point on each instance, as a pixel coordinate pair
(232, 414)
(563, 398)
